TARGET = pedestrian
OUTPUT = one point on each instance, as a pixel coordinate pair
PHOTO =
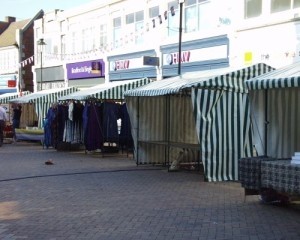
(17, 111)
(3, 119)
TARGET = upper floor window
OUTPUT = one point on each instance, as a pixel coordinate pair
(296, 4)
(116, 31)
(283, 5)
(198, 16)
(153, 12)
(253, 8)
(173, 18)
(134, 25)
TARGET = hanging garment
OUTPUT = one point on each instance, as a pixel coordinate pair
(94, 134)
(62, 117)
(126, 139)
(111, 114)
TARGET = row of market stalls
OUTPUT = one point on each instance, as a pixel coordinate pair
(207, 115)
(43, 101)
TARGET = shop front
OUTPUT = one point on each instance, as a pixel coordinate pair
(50, 78)
(196, 55)
(8, 83)
(86, 74)
(132, 66)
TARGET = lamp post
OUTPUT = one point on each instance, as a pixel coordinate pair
(180, 34)
(41, 44)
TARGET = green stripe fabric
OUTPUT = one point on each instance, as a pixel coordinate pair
(223, 124)
(43, 100)
(112, 90)
(230, 79)
(285, 77)
(220, 108)
(5, 98)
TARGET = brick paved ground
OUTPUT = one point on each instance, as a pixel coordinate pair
(85, 196)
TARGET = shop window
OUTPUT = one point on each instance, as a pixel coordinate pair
(253, 8)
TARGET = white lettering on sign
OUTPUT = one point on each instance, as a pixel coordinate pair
(121, 65)
(173, 58)
(81, 69)
(196, 55)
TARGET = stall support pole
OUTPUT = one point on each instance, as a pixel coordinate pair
(266, 124)
(137, 131)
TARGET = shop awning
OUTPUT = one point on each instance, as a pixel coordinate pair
(284, 77)
(111, 90)
(6, 97)
(231, 79)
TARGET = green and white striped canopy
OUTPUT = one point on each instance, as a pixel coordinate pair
(275, 98)
(230, 79)
(284, 77)
(43, 100)
(49, 95)
(6, 97)
(111, 90)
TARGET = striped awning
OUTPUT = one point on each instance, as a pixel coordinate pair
(49, 95)
(111, 90)
(231, 79)
(5, 98)
(43, 100)
(284, 77)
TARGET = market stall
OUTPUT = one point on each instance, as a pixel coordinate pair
(207, 110)
(4, 101)
(102, 106)
(275, 113)
(40, 102)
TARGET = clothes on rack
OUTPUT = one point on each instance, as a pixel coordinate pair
(92, 123)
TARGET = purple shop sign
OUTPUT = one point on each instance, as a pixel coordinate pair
(87, 69)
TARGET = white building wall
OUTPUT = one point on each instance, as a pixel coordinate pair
(269, 38)
(272, 38)
(9, 57)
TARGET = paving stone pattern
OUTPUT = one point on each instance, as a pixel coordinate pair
(86, 196)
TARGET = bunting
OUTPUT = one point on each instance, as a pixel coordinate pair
(129, 38)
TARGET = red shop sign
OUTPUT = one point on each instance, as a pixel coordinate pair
(11, 83)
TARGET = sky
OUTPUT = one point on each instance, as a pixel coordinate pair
(25, 9)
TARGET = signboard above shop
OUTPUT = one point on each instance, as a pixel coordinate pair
(9, 81)
(87, 69)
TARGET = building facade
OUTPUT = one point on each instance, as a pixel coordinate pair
(16, 54)
(269, 32)
(161, 39)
